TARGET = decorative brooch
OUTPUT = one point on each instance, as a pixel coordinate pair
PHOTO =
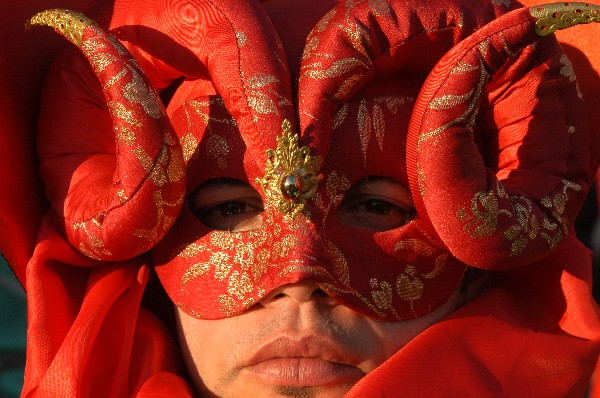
(290, 174)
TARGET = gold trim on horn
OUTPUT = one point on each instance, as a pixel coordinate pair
(557, 16)
(68, 23)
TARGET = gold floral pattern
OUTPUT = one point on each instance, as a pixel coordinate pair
(530, 221)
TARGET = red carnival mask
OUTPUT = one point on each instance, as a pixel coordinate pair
(447, 124)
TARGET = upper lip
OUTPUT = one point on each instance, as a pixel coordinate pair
(305, 346)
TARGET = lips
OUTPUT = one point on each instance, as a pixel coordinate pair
(309, 361)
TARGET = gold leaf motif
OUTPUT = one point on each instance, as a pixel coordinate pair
(217, 148)
(221, 263)
(193, 272)
(119, 110)
(228, 304)
(189, 143)
(364, 127)
(485, 212)
(408, 286)
(137, 91)
(568, 71)
(239, 285)
(338, 68)
(449, 101)
(378, 125)
(261, 103)
(340, 115)
(340, 265)
(463, 67)
(382, 293)
(380, 8)
(223, 240)
(191, 250)
(261, 80)
(244, 255)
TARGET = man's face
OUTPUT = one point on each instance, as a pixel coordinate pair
(296, 342)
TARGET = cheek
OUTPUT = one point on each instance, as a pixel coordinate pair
(394, 335)
(204, 348)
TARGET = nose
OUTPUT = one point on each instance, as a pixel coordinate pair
(299, 292)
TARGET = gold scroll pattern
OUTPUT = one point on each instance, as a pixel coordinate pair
(482, 218)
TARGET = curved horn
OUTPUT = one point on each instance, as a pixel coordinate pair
(230, 43)
(114, 207)
(358, 42)
(515, 215)
(208, 39)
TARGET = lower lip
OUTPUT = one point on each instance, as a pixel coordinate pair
(305, 372)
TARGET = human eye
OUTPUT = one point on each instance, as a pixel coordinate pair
(227, 204)
(377, 204)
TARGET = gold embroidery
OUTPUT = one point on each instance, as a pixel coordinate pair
(408, 286)
(239, 285)
(191, 250)
(242, 38)
(485, 212)
(463, 67)
(553, 17)
(228, 304)
(281, 248)
(335, 189)
(468, 115)
(119, 110)
(340, 265)
(126, 136)
(568, 71)
(189, 143)
(137, 91)
(193, 272)
(290, 174)
(258, 99)
(162, 222)
(380, 8)
(95, 246)
(221, 263)
(382, 294)
(216, 149)
(244, 255)
(449, 101)
(222, 239)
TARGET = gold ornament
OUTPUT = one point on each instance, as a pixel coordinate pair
(553, 17)
(290, 174)
(68, 23)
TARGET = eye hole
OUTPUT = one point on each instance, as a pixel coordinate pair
(227, 204)
(377, 204)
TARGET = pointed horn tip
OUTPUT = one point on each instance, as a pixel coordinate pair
(69, 24)
(557, 16)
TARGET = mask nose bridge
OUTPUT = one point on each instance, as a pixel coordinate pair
(312, 254)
